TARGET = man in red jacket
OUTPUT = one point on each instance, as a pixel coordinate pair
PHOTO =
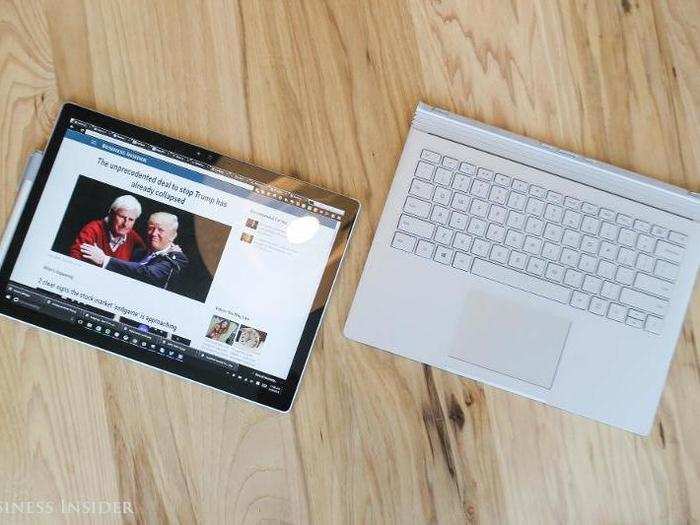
(114, 234)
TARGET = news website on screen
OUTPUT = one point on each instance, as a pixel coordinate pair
(174, 256)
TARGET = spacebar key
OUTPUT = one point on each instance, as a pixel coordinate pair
(521, 281)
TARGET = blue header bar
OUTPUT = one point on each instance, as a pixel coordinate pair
(195, 176)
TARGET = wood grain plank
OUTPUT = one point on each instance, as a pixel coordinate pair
(325, 91)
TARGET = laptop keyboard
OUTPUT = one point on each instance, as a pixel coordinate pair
(540, 241)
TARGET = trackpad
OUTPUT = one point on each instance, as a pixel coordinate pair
(515, 339)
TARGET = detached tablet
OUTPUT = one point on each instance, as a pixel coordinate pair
(176, 257)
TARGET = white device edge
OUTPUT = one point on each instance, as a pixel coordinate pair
(542, 156)
(28, 177)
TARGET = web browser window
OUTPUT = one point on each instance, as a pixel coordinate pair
(174, 256)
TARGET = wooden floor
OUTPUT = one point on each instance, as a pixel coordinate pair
(324, 90)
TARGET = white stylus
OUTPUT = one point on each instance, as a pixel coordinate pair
(25, 187)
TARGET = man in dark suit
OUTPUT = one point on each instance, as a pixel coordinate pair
(159, 264)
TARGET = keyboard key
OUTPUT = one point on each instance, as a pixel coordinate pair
(598, 306)
(635, 318)
(653, 285)
(517, 260)
(626, 257)
(503, 180)
(421, 189)
(606, 270)
(498, 195)
(403, 242)
(642, 226)
(431, 156)
(479, 208)
(624, 220)
(658, 231)
(519, 186)
(572, 219)
(587, 263)
(571, 239)
(534, 207)
(573, 278)
(678, 238)
(417, 207)
(458, 220)
(481, 248)
(460, 201)
(467, 168)
(416, 226)
(443, 176)
(555, 272)
(645, 243)
(462, 241)
(450, 163)
(497, 214)
(425, 249)
(517, 201)
(624, 275)
(608, 250)
(645, 302)
(654, 325)
(609, 231)
(591, 284)
(461, 182)
(499, 254)
(439, 214)
(554, 197)
(533, 245)
(668, 251)
(462, 261)
(551, 251)
(666, 270)
(483, 173)
(627, 237)
(610, 290)
(443, 255)
(538, 192)
(617, 312)
(572, 203)
(443, 235)
(553, 232)
(536, 266)
(515, 239)
(645, 263)
(569, 257)
(607, 215)
(580, 300)
(496, 233)
(516, 220)
(590, 244)
(521, 281)
(425, 171)
(590, 225)
(442, 196)
(480, 188)
(477, 227)
(589, 208)
(553, 213)
(534, 226)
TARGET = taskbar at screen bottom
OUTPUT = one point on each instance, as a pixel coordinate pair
(117, 330)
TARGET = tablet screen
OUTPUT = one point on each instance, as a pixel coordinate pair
(149, 250)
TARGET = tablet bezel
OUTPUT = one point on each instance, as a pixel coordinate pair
(218, 380)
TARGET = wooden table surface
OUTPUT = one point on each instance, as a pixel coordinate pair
(324, 90)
